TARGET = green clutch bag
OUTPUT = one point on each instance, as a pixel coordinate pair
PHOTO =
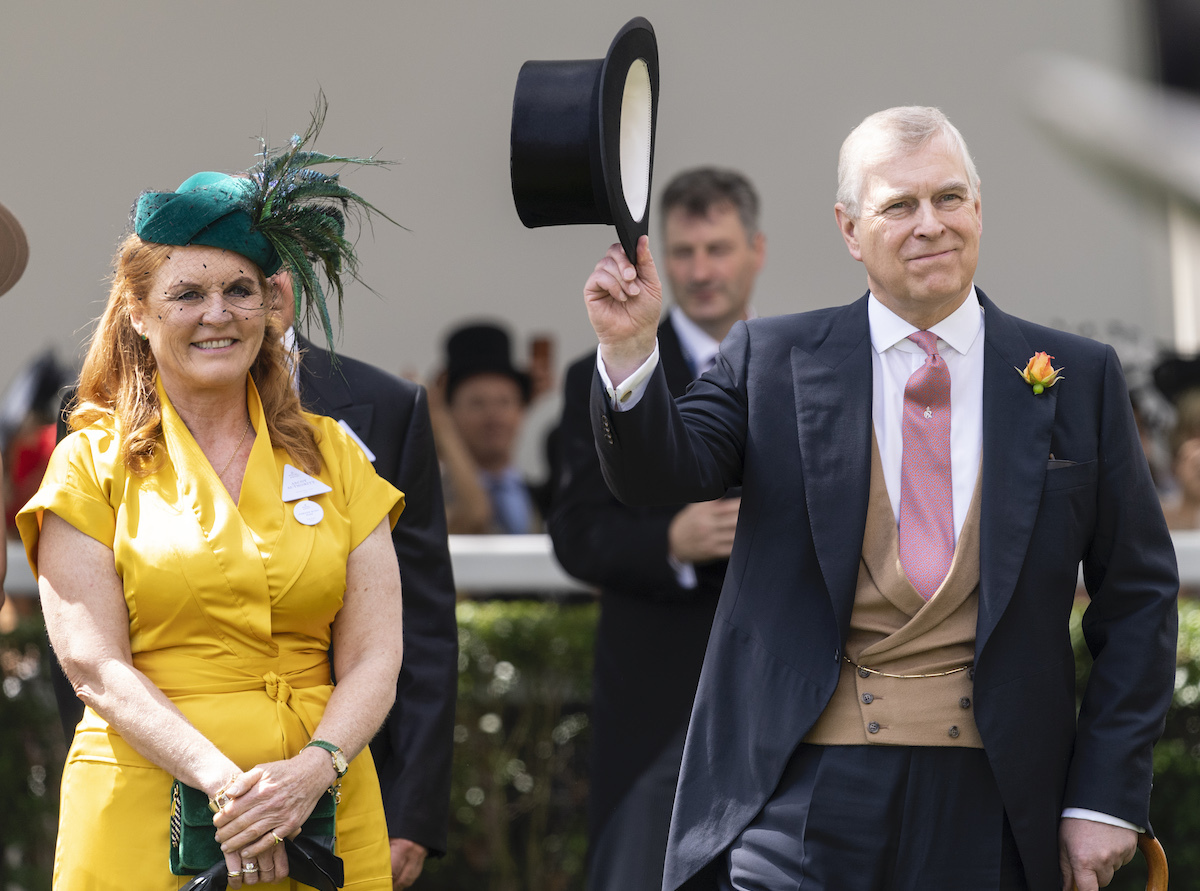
(194, 845)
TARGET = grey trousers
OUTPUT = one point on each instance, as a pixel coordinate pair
(879, 818)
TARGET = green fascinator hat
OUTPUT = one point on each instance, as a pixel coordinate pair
(281, 213)
(210, 209)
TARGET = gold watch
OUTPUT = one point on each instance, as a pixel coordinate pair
(340, 764)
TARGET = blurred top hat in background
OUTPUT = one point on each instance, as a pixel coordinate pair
(14, 250)
(481, 348)
(582, 143)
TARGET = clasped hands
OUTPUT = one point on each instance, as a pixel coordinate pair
(263, 806)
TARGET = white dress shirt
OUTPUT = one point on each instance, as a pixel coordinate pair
(893, 360)
(699, 347)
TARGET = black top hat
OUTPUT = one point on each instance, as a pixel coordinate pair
(1176, 375)
(14, 250)
(481, 349)
(582, 146)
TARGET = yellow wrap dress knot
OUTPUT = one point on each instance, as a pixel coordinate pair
(231, 608)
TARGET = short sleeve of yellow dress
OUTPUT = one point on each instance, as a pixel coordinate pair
(230, 615)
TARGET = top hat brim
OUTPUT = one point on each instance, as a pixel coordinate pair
(1135, 131)
(14, 250)
(582, 144)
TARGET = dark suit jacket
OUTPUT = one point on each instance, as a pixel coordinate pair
(652, 632)
(413, 750)
(786, 414)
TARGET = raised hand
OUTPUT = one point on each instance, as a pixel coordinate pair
(623, 304)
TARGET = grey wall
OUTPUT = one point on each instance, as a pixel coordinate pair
(101, 100)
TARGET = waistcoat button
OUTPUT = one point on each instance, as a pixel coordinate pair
(965, 702)
(868, 698)
(953, 732)
(873, 727)
(863, 673)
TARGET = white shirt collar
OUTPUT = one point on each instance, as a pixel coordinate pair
(698, 345)
(959, 329)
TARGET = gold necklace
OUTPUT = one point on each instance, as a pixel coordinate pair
(237, 448)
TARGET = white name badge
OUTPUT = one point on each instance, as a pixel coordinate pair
(298, 484)
(308, 512)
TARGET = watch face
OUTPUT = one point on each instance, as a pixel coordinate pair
(339, 763)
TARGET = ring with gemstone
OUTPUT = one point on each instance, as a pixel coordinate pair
(249, 866)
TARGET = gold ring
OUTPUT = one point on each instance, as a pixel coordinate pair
(276, 837)
(234, 875)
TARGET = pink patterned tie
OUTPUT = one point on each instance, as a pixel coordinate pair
(926, 490)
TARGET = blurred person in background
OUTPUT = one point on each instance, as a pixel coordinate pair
(14, 254)
(659, 569)
(477, 407)
(201, 544)
(29, 410)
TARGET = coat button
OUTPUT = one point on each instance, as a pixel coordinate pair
(953, 732)
(873, 727)
(837, 655)
(868, 698)
(863, 673)
(965, 702)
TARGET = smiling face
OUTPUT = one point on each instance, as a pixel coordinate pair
(204, 318)
(917, 232)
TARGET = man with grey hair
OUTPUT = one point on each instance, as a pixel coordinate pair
(659, 569)
(887, 699)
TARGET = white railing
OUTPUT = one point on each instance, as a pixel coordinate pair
(494, 564)
(505, 564)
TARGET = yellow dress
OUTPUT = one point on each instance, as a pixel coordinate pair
(230, 608)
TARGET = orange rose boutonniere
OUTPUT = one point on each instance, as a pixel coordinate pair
(1039, 374)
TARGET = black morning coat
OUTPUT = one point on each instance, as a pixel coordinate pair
(413, 749)
(652, 632)
(786, 414)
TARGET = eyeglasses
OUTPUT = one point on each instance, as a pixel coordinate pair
(187, 305)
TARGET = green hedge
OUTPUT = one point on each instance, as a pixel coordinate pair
(517, 817)
(31, 757)
(519, 794)
(1175, 802)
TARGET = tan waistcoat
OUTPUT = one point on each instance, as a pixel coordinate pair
(895, 631)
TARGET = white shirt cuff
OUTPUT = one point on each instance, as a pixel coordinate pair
(1080, 813)
(685, 573)
(630, 392)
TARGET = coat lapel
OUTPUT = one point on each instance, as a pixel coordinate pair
(1017, 426)
(324, 390)
(832, 388)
